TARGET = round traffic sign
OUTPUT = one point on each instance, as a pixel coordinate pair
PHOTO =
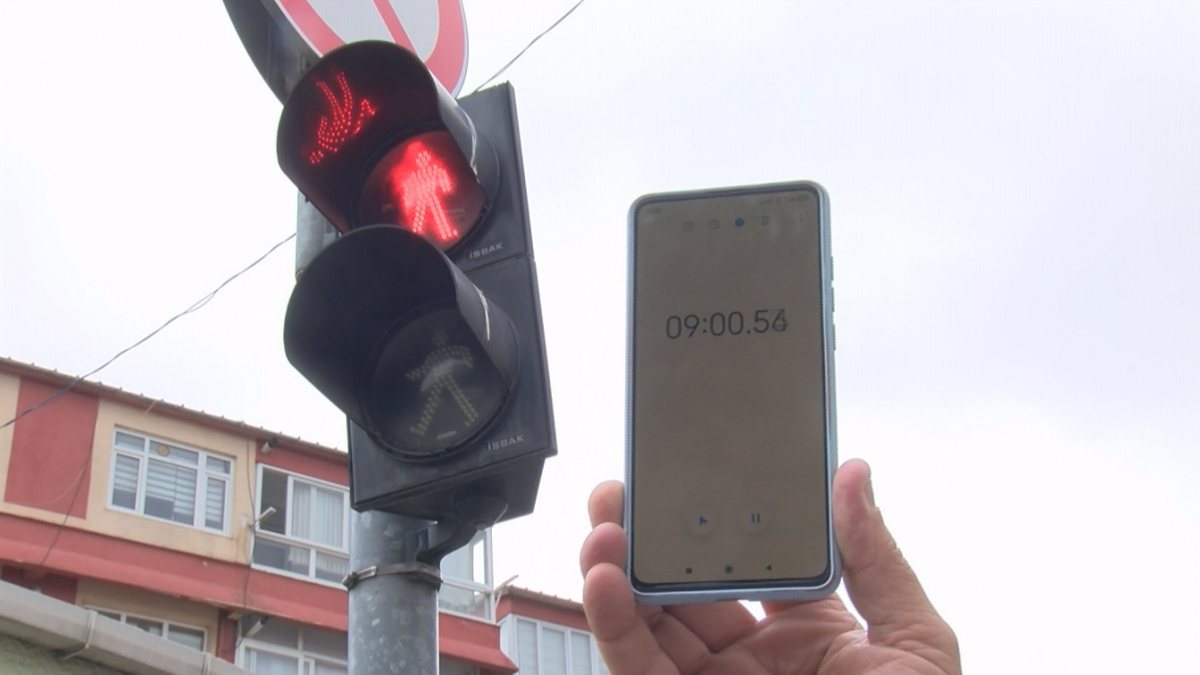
(285, 37)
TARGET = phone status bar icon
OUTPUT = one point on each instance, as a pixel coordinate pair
(713, 224)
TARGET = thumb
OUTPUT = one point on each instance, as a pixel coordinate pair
(882, 586)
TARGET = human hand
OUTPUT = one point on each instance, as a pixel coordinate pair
(904, 633)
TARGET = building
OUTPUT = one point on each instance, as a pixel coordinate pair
(547, 634)
(225, 537)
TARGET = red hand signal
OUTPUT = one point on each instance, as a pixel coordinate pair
(345, 119)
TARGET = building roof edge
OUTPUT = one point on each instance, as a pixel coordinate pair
(55, 378)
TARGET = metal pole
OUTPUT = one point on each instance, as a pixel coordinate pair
(393, 599)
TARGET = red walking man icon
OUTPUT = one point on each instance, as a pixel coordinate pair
(422, 187)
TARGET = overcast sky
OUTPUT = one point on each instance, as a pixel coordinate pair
(1015, 189)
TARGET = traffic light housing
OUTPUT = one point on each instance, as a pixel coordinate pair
(422, 321)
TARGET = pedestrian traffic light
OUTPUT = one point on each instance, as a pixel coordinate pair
(421, 321)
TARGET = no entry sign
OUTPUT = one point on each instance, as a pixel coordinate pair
(284, 37)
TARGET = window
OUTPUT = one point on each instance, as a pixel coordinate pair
(168, 481)
(307, 533)
(540, 648)
(280, 647)
(187, 636)
(467, 579)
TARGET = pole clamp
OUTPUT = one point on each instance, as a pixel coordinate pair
(420, 571)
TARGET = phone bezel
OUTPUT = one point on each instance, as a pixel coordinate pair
(785, 589)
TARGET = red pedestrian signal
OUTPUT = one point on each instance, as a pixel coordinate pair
(370, 138)
(422, 321)
(425, 186)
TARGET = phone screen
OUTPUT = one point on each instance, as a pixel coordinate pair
(730, 411)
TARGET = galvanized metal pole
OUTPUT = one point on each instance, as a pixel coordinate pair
(394, 600)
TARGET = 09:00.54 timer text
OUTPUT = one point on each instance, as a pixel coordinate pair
(718, 324)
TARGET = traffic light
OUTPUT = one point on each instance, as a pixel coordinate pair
(421, 321)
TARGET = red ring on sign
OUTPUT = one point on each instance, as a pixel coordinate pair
(447, 61)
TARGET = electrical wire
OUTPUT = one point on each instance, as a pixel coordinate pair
(194, 307)
(77, 485)
(204, 300)
(520, 53)
(197, 305)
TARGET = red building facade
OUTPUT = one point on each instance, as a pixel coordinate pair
(224, 537)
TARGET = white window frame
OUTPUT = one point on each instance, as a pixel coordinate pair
(167, 624)
(510, 640)
(305, 662)
(203, 475)
(289, 539)
(483, 589)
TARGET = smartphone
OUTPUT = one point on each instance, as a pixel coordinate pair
(731, 443)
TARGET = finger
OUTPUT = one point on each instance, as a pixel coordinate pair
(716, 624)
(605, 544)
(831, 607)
(624, 637)
(883, 587)
(777, 606)
(606, 503)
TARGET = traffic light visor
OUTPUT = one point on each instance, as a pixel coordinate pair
(388, 329)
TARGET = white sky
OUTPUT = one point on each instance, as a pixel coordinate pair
(1015, 198)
